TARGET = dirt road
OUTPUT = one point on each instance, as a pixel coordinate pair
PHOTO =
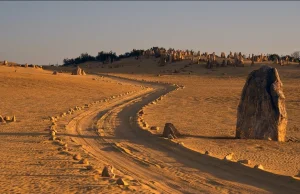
(110, 133)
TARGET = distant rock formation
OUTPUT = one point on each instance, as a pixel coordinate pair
(281, 62)
(230, 55)
(229, 63)
(78, 71)
(224, 64)
(170, 129)
(252, 60)
(261, 111)
(223, 55)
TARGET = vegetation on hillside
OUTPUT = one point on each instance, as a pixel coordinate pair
(110, 57)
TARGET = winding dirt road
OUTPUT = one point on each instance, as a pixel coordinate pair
(110, 132)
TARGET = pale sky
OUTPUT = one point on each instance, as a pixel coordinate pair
(48, 32)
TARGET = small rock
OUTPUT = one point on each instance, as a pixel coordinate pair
(120, 181)
(14, 119)
(154, 128)
(207, 153)
(145, 125)
(57, 138)
(228, 156)
(244, 162)
(77, 157)
(53, 128)
(52, 133)
(84, 161)
(181, 143)
(108, 171)
(259, 166)
(62, 149)
(52, 119)
(2, 119)
(170, 129)
(53, 138)
(89, 167)
(170, 136)
(7, 118)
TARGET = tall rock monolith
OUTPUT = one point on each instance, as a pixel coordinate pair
(261, 111)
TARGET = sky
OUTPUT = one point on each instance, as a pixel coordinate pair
(47, 32)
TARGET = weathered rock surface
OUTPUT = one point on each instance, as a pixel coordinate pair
(170, 129)
(261, 111)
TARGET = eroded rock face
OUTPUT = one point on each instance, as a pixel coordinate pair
(170, 129)
(261, 111)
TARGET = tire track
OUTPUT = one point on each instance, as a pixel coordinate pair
(173, 168)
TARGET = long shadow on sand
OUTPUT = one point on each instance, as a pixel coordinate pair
(206, 137)
(47, 134)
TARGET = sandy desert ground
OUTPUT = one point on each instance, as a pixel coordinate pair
(108, 131)
(30, 162)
